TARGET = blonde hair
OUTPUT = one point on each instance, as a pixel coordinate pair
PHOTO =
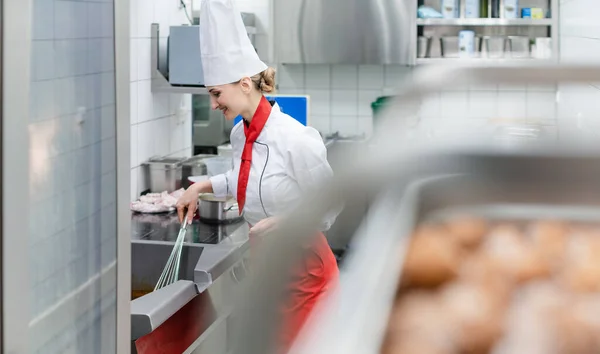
(265, 81)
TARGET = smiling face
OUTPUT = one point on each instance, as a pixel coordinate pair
(232, 99)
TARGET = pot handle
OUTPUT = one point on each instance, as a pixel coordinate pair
(233, 206)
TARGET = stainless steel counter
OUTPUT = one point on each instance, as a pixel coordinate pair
(219, 246)
(211, 268)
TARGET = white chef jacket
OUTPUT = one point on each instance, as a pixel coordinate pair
(288, 159)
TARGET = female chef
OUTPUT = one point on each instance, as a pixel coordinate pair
(276, 159)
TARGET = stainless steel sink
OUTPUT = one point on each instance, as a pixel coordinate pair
(149, 258)
(191, 314)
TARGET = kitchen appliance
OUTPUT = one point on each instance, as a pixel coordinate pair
(165, 227)
(213, 210)
(183, 52)
(163, 173)
(345, 32)
(209, 127)
(185, 65)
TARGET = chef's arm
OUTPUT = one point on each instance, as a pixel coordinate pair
(202, 187)
(220, 184)
(188, 202)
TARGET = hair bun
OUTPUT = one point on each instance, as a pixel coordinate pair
(267, 80)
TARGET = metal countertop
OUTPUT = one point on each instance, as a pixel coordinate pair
(222, 245)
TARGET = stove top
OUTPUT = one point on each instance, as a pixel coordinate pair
(165, 227)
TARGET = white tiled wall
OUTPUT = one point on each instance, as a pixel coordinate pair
(160, 122)
(72, 228)
(579, 107)
(262, 40)
(341, 97)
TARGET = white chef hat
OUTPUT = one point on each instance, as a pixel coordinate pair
(225, 49)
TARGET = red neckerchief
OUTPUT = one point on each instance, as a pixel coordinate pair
(252, 132)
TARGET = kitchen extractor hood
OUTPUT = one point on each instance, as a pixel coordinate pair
(345, 31)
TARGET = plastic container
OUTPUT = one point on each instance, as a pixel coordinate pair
(484, 7)
(495, 10)
(466, 44)
(450, 8)
(472, 8)
(511, 9)
(537, 13)
(218, 165)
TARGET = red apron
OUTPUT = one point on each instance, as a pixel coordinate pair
(316, 273)
(311, 279)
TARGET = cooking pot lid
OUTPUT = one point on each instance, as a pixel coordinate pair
(197, 159)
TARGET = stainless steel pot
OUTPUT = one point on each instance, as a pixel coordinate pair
(194, 166)
(218, 210)
(163, 173)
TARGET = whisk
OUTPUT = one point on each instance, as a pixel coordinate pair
(170, 273)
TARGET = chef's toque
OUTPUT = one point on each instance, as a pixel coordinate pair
(225, 49)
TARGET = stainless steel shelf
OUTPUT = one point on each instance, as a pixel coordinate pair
(160, 84)
(424, 61)
(483, 22)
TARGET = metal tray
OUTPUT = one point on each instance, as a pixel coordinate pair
(355, 319)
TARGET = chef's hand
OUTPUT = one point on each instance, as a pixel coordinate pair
(264, 226)
(187, 202)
